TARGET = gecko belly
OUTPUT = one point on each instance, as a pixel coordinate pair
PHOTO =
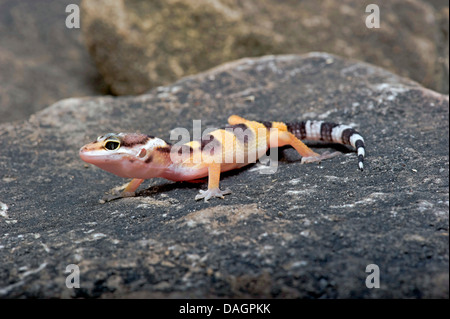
(188, 173)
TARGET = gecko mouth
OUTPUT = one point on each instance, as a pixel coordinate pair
(102, 158)
(94, 156)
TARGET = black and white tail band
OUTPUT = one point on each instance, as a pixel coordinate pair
(330, 132)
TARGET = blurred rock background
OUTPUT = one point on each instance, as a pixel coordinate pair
(41, 61)
(137, 44)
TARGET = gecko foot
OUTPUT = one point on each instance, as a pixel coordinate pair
(326, 155)
(214, 192)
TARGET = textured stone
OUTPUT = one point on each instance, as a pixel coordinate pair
(307, 231)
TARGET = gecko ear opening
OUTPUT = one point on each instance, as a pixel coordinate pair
(111, 145)
(142, 153)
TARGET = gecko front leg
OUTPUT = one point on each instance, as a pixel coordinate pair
(128, 191)
(213, 184)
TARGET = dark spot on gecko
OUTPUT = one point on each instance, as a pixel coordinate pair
(360, 158)
(298, 129)
(210, 142)
(133, 139)
(267, 124)
(165, 149)
(241, 126)
(359, 143)
(241, 132)
(325, 131)
(185, 149)
(346, 135)
(149, 159)
(206, 140)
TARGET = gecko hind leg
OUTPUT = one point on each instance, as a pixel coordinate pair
(212, 192)
(281, 138)
(319, 158)
(213, 184)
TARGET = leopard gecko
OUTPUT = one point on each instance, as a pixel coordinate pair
(140, 156)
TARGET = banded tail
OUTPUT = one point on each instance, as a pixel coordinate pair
(329, 132)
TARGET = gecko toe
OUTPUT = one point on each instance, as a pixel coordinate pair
(214, 192)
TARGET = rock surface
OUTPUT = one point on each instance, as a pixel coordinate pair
(307, 231)
(142, 44)
(41, 61)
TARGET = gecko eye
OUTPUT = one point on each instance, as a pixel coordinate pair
(112, 145)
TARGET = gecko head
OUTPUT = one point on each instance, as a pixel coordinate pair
(123, 154)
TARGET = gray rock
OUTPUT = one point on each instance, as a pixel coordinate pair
(41, 61)
(307, 231)
(141, 44)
